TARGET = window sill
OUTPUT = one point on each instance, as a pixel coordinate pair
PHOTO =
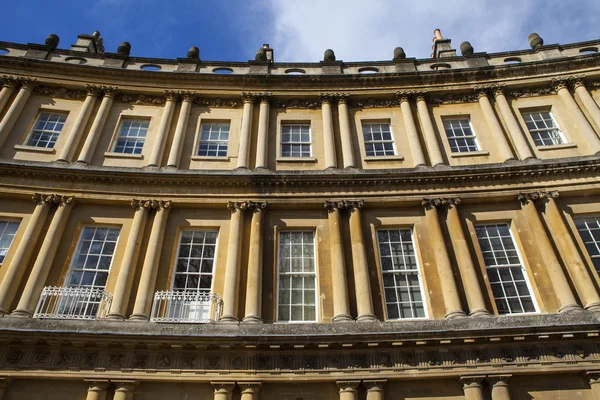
(384, 158)
(557, 147)
(210, 158)
(297, 159)
(34, 149)
(470, 154)
(111, 154)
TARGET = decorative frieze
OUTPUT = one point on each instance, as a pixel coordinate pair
(217, 102)
(139, 99)
(296, 103)
(60, 92)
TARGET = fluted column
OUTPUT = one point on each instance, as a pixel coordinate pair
(499, 386)
(444, 268)
(76, 133)
(95, 132)
(585, 129)
(345, 132)
(180, 130)
(9, 84)
(560, 283)
(580, 90)
(514, 129)
(124, 389)
(468, 272)
(232, 268)
(348, 389)
(472, 387)
(253, 309)
(147, 282)
(262, 140)
(97, 389)
(15, 109)
(223, 390)
(576, 266)
(412, 134)
(245, 133)
(43, 263)
(328, 137)
(364, 300)
(249, 390)
(341, 304)
(118, 307)
(433, 147)
(163, 130)
(502, 145)
(374, 389)
(16, 269)
(594, 379)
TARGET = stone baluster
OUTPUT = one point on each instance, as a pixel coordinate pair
(594, 379)
(89, 146)
(514, 129)
(9, 84)
(580, 90)
(348, 389)
(15, 109)
(76, 133)
(472, 387)
(414, 142)
(262, 140)
(124, 389)
(118, 307)
(345, 132)
(502, 146)
(246, 131)
(249, 390)
(254, 278)
(18, 265)
(341, 304)
(163, 129)
(223, 390)
(431, 141)
(499, 386)
(232, 268)
(444, 267)
(180, 130)
(97, 389)
(147, 283)
(43, 263)
(328, 136)
(374, 389)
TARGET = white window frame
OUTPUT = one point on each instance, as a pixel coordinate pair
(374, 142)
(291, 143)
(454, 138)
(539, 131)
(54, 134)
(522, 266)
(315, 274)
(219, 142)
(8, 221)
(212, 281)
(585, 220)
(136, 139)
(395, 271)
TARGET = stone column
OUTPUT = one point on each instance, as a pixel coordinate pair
(502, 145)
(576, 266)
(559, 280)
(594, 377)
(414, 142)
(345, 132)
(223, 390)
(76, 133)
(514, 129)
(433, 147)
(9, 84)
(253, 309)
(364, 300)
(499, 385)
(374, 389)
(97, 389)
(341, 304)
(245, 132)
(579, 87)
(348, 389)
(328, 137)
(147, 283)
(118, 307)
(4, 382)
(585, 129)
(15, 109)
(232, 268)
(163, 130)
(468, 272)
(43, 263)
(444, 268)
(89, 146)
(262, 140)
(124, 389)
(249, 390)
(472, 387)
(18, 265)
(180, 130)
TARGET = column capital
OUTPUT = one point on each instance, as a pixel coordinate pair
(252, 97)
(109, 91)
(348, 386)
(375, 385)
(539, 197)
(234, 206)
(482, 90)
(249, 387)
(93, 90)
(187, 96)
(52, 199)
(223, 387)
(405, 95)
(28, 83)
(498, 380)
(559, 84)
(332, 97)
(441, 202)
(257, 205)
(577, 81)
(97, 385)
(353, 205)
(9, 82)
(333, 205)
(473, 381)
(125, 386)
(172, 95)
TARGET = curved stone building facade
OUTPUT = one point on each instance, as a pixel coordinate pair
(403, 229)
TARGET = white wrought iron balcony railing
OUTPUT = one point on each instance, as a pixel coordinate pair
(186, 307)
(73, 303)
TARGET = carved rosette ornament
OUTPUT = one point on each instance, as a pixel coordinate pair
(538, 197)
(235, 206)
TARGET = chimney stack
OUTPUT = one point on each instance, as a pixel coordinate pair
(442, 47)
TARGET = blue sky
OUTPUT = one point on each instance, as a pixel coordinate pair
(300, 30)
